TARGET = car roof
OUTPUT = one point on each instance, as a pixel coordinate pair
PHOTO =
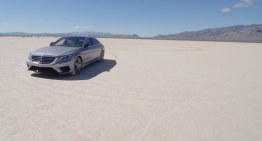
(79, 36)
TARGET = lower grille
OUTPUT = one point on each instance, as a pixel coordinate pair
(42, 69)
(43, 59)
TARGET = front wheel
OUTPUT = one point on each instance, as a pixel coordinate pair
(77, 66)
(101, 58)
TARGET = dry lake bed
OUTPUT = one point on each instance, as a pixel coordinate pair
(145, 90)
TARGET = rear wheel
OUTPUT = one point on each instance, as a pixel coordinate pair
(101, 58)
(77, 66)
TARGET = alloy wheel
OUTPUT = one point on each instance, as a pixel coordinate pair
(78, 65)
(102, 56)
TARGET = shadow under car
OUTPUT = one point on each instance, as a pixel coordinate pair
(87, 72)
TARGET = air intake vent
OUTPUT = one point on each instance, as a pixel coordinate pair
(65, 69)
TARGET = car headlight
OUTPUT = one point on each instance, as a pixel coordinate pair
(30, 56)
(64, 58)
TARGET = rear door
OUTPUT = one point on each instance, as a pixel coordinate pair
(97, 48)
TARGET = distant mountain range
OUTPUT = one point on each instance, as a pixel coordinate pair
(87, 33)
(232, 33)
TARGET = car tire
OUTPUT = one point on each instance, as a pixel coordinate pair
(101, 57)
(77, 66)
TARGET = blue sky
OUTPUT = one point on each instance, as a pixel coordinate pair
(142, 17)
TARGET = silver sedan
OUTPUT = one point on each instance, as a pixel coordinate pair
(66, 55)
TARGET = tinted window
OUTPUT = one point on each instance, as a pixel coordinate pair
(60, 42)
(91, 43)
(98, 41)
(94, 41)
(70, 42)
(87, 41)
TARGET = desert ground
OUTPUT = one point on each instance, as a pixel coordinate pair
(145, 90)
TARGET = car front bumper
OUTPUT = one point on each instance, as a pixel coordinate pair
(62, 68)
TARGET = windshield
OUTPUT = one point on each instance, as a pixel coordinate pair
(70, 42)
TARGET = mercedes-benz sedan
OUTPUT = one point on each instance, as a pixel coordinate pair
(66, 55)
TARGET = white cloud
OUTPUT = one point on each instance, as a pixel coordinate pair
(226, 10)
(4, 23)
(78, 27)
(245, 3)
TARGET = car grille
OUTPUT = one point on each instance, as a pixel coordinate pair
(43, 59)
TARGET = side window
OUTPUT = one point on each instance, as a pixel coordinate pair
(98, 42)
(94, 41)
(90, 42)
(60, 42)
(87, 42)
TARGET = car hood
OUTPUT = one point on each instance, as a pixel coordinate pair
(53, 50)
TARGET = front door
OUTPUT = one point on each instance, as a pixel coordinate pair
(88, 52)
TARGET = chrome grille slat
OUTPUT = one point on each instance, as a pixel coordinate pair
(43, 59)
(47, 60)
(36, 58)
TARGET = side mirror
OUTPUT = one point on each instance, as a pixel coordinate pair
(52, 43)
(86, 46)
